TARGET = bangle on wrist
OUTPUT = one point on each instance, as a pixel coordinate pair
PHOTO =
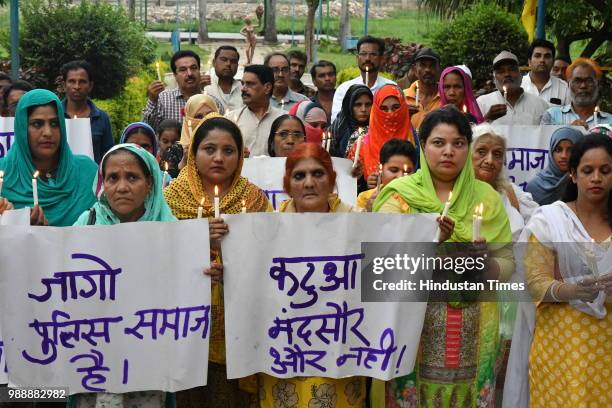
(554, 287)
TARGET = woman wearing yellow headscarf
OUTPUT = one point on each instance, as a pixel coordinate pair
(215, 158)
(197, 108)
(460, 343)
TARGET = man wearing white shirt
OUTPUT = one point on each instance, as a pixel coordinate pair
(539, 81)
(223, 85)
(510, 104)
(370, 52)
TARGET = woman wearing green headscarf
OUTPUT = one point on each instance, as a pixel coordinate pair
(40, 144)
(460, 339)
(129, 188)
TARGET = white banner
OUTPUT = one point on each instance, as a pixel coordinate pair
(293, 301)
(267, 173)
(527, 150)
(106, 308)
(78, 132)
(3, 369)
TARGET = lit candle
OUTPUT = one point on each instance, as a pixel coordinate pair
(190, 130)
(282, 104)
(357, 150)
(1, 181)
(505, 94)
(243, 207)
(477, 221)
(216, 202)
(35, 187)
(464, 109)
(75, 116)
(323, 141)
(158, 71)
(444, 214)
(165, 176)
(379, 177)
(329, 138)
(367, 77)
(417, 97)
(405, 169)
(201, 208)
(595, 113)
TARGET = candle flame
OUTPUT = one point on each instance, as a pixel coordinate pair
(36, 173)
(243, 203)
(417, 84)
(479, 209)
(75, 116)
(189, 123)
(596, 109)
(217, 191)
(405, 168)
(464, 109)
(367, 68)
(166, 166)
(504, 88)
(202, 202)
(380, 167)
(157, 64)
(1, 173)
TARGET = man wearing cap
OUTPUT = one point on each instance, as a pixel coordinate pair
(538, 80)
(510, 104)
(427, 67)
(370, 52)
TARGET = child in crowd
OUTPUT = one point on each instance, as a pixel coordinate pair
(168, 133)
(397, 158)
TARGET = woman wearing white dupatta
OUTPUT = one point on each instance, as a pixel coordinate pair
(568, 271)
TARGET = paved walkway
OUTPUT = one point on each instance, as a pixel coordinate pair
(282, 38)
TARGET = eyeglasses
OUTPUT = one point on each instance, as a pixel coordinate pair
(284, 70)
(581, 81)
(284, 134)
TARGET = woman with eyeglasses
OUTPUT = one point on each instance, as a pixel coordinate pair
(286, 133)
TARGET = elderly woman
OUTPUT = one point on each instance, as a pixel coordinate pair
(129, 189)
(488, 152)
(309, 180)
(286, 133)
(41, 144)
(214, 159)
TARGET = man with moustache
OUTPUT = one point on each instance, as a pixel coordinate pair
(510, 104)
(370, 51)
(538, 80)
(427, 67)
(323, 75)
(282, 96)
(256, 116)
(78, 84)
(223, 85)
(297, 67)
(168, 104)
(584, 76)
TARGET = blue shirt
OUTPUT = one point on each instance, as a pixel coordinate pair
(101, 131)
(565, 115)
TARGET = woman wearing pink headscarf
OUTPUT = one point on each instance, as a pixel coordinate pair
(455, 88)
(314, 118)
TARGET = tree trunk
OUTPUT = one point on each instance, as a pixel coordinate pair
(132, 9)
(309, 29)
(270, 34)
(203, 27)
(563, 46)
(345, 23)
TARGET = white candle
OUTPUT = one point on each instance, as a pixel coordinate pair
(595, 113)
(75, 116)
(201, 208)
(329, 138)
(282, 104)
(505, 94)
(367, 77)
(216, 202)
(405, 169)
(244, 207)
(444, 214)
(379, 177)
(159, 78)
(417, 97)
(477, 221)
(357, 150)
(165, 176)
(35, 187)
(190, 129)
(323, 141)
(1, 181)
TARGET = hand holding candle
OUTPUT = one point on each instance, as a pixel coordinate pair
(505, 94)
(444, 214)
(35, 187)
(216, 202)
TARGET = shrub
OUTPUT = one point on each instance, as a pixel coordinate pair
(475, 37)
(56, 32)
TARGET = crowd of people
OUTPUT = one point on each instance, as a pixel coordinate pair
(411, 148)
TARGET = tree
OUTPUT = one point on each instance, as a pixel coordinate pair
(345, 23)
(587, 20)
(309, 27)
(132, 9)
(270, 33)
(203, 27)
